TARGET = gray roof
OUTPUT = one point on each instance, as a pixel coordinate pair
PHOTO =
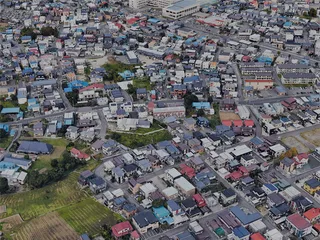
(18, 161)
(35, 147)
(118, 171)
(299, 75)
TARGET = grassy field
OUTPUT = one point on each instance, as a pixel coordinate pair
(88, 216)
(41, 201)
(135, 140)
(5, 142)
(47, 227)
(44, 161)
(153, 127)
(294, 142)
(143, 82)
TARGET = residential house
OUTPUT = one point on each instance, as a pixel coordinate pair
(312, 215)
(144, 221)
(184, 186)
(287, 164)
(121, 229)
(38, 130)
(312, 186)
(189, 206)
(97, 185)
(228, 196)
(85, 177)
(299, 226)
(118, 174)
(79, 154)
(172, 174)
(72, 133)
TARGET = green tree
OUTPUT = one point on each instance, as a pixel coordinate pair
(3, 134)
(131, 89)
(158, 203)
(28, 31)
(49, 31)
(4, 186)
(189, 99)
(201, 113)
(73, 96)
(54, 163)
(14, 98)
(313, 12)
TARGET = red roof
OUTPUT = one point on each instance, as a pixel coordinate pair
(227, 123)
(258, 80)
(151, 105)
(257, 236)
(302, 156)
(78, 154)
(236, 175)
(312, 213)
(135, 235)
(249, 123)
(237, 123)
(243, 170)
(185, 169)
(92, 86)
(132, 20)
(317, 227)
(199, 199)
(122, 229)
(298, 221)
(246, 59)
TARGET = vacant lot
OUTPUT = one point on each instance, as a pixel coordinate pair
(41, 201)
(294, 142)
(47, 227)
(312, 137)
(228, 116)
(44, 161)
(10, 222)
(88, 216)
(133, 140)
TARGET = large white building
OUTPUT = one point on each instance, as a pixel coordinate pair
(182, 8)
(138, 4)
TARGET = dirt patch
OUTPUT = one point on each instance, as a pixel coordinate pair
(3, 209)
(294, 142)
(228, 116)
(11, 222)
(47, 227)
(312, 136)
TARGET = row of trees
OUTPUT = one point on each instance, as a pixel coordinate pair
(58, 171)
(45, 31)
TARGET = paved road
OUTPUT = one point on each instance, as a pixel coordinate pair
(237, 72)
(103, 124)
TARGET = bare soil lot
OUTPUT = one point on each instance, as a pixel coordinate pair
(312, 137)
(294, 142)
(228, 116)
(47, 227)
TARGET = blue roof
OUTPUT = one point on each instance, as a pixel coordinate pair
(313, 183)
(190, 79)
(240, 232)
(161, 212)
(10, 110)
(256, 141)
(7, 165)
(270, 186)
(173, 205)
(153, 20)
(201, 105)
(244, 218)
(4, 127)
